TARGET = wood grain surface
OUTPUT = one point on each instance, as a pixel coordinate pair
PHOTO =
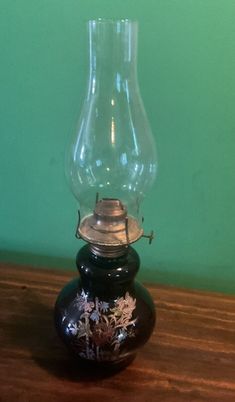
(190, 357)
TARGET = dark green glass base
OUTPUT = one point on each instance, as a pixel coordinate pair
(105, 316)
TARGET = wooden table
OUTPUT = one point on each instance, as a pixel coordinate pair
(190, 357)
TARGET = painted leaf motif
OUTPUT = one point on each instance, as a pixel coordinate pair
(102, 329)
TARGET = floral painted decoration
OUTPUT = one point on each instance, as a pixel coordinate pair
(102, 326)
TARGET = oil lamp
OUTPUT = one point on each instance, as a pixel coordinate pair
(105, 315)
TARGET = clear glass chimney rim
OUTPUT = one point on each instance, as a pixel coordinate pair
(112, 21)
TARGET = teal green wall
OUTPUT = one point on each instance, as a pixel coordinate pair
(187, 78)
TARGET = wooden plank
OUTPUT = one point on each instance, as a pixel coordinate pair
(190, 356)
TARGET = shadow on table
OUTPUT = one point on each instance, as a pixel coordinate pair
(32, 328)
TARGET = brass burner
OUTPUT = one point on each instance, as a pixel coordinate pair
(109, 225)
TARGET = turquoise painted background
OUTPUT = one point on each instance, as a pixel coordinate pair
(187, 78)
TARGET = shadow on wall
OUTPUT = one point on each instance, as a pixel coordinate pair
(214, 278)
(170, 273)
(37, 261)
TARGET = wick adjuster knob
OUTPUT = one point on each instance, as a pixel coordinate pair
(150, 236)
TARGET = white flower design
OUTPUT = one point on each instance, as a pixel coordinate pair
(104, 306)
(95, 316)
(73, 328)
